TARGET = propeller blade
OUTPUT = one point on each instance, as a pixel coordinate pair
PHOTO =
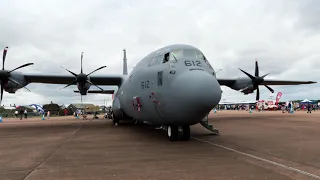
(257, 70)
(95, 85)
(9, 78)
(270, 89)
(73, 82)
(4, 56)
(70, 71)
(265, 75)
(251, 77)
(258, 94)
(2, 87)
(28, 64)
(81, 61)
(96, 70)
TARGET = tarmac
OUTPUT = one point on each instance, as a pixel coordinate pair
(257, 145)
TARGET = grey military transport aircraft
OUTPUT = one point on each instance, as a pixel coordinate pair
(173, 87)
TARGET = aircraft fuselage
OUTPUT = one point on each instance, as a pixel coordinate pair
(181, 91)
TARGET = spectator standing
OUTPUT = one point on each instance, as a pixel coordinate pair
(25, 113)
(21, 113)
(16, 113)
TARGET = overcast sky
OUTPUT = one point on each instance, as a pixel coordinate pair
(282, 35)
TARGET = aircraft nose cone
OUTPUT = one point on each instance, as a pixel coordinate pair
(198, 88)
(194, 94)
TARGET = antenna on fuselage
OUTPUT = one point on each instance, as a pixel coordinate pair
(218, 71)
(125, 68)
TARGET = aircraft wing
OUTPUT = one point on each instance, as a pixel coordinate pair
(98, 91)
(230, 82)
(110, 80)
(280, 82)
(226, 82)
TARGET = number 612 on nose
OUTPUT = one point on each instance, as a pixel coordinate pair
(193, 63)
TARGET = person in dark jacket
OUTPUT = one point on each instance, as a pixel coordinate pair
(309, 106)
(21, 113)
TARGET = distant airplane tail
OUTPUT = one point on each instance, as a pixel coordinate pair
(125, 68)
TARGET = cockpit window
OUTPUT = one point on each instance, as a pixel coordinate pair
(209, 64)
(191, 53)
(181, 53)
(177, 54)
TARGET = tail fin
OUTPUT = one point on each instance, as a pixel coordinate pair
(125, 68)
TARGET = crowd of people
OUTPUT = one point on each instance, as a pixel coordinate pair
(84, 114)
(309, 107)
(20, 113)
(23, 113)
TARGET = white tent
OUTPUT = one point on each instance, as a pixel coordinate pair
(9, 107)
(305, 101)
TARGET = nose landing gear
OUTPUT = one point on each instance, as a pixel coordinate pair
(176, 133)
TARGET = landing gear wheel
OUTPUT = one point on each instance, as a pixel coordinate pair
(173, 133)
(138, 122)
(185, 133)
(115, 120)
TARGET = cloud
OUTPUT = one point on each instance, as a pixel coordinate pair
(282, 35)
(307, 20)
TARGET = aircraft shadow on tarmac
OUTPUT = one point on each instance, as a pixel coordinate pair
(150, 131)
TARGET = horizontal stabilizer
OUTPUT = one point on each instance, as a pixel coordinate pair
(98, 91)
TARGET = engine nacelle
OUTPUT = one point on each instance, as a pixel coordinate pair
(12, 87)
(83, 87)
(243, 85)
(247, 90)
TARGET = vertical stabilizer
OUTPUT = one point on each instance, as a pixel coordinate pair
(125, 68)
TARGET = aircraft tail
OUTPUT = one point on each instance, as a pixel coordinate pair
(125, 68)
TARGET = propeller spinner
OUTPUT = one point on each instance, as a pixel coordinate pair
(82, 78)
(5, 75)
(257, 80)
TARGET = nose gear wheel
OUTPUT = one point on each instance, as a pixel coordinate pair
(176, 133)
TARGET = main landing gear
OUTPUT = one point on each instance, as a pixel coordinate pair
(176, 133)
(115, 120)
